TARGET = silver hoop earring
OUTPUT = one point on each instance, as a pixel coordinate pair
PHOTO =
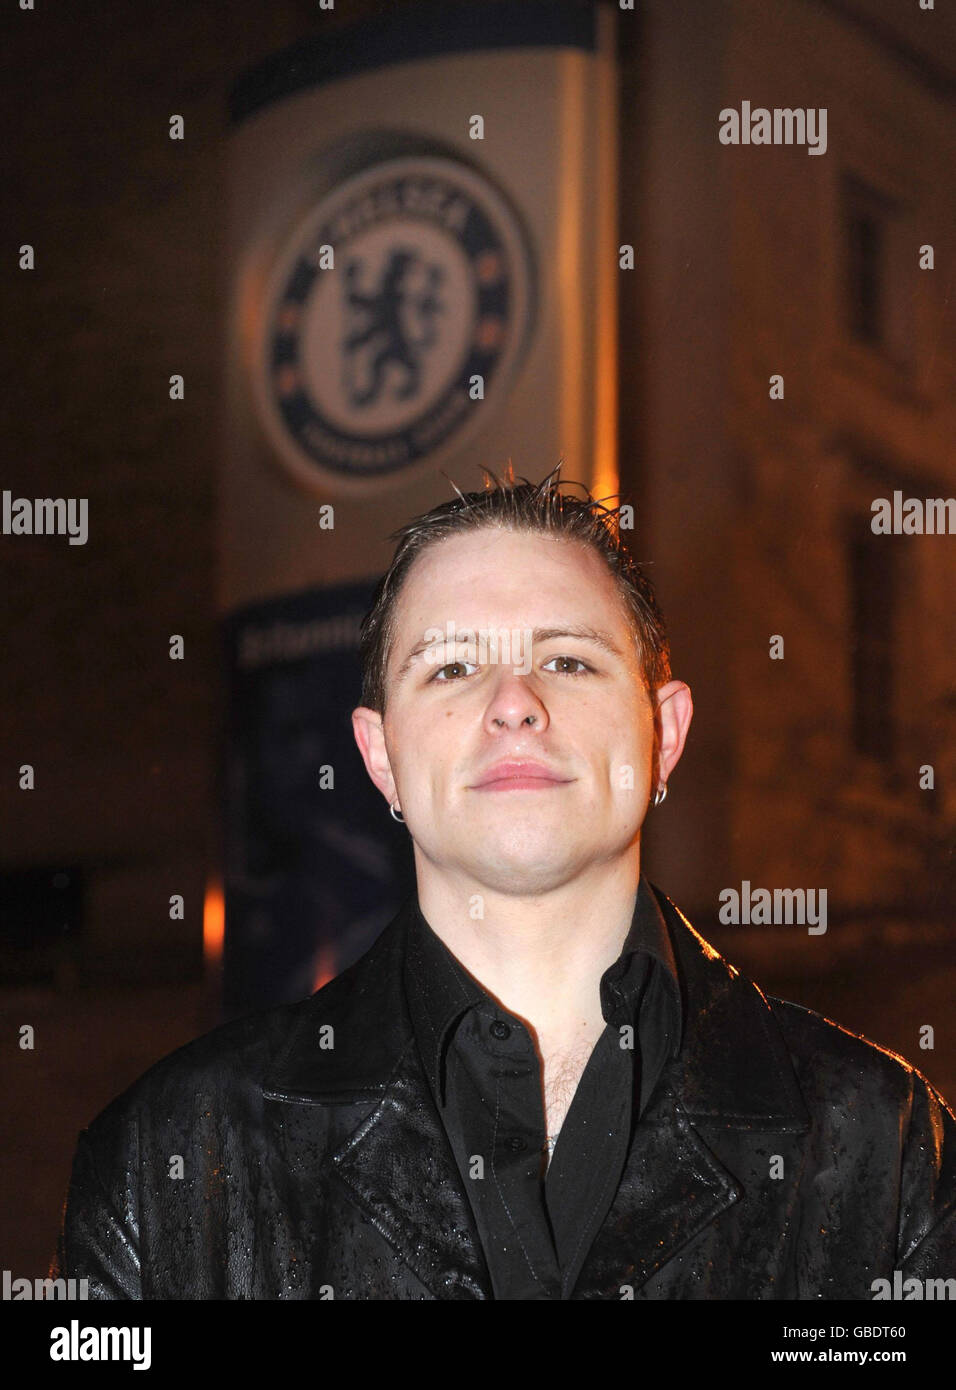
(399, 817)
(660, 796)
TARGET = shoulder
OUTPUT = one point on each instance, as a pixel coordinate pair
(812, 1035)
(228, 1069)
(223, 1059)
(833, 1063)
(841, 1076)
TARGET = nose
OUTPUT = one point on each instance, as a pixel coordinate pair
(514, 704)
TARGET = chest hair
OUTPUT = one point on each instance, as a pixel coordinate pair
(562, 1073)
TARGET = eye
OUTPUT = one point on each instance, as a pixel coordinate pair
(450, 667)
(571, 658)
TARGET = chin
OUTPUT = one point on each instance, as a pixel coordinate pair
(526, 873)
(521, 885)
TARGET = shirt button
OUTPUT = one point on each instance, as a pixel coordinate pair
(500, 1030)
(516, 1145)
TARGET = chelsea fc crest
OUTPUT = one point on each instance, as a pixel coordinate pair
(396, 316)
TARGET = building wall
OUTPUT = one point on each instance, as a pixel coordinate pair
(810, 808)
(127, 290)
(749, 501)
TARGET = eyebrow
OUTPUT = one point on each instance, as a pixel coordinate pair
(582, 631)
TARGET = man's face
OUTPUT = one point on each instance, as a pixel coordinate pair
(567, 703)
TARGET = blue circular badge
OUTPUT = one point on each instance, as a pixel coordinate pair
(396, 317)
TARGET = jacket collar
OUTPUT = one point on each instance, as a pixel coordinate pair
(439, 990)
(733, 1072)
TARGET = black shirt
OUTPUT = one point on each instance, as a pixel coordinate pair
(537, 1220)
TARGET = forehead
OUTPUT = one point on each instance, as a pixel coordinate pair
(513, 578)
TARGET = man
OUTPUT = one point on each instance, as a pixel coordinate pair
(540, 1082)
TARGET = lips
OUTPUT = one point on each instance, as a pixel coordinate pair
(519, 774)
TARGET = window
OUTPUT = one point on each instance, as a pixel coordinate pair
(879, 271)
(864, 225)
(865, 258)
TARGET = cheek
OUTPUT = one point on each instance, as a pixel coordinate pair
(632, 755)
(423, 742)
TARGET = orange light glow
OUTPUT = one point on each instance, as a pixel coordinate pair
(606, 481)
(324, 967)
(213, 923)
(586, 219)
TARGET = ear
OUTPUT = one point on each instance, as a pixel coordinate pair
(675, 709)
(370, 737)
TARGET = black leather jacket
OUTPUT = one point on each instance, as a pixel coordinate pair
(780, 1157)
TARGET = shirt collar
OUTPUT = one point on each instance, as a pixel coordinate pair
(439, 990)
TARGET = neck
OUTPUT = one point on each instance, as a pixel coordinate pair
(541, 957)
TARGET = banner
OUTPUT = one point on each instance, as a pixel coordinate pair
(315, 864)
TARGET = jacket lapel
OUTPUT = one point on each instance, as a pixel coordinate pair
(370, 1119)
(672, 1187)
(703, 1140)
